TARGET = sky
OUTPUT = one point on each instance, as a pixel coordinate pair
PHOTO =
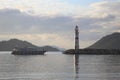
(52, 22)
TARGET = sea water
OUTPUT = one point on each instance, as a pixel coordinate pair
(58, 66)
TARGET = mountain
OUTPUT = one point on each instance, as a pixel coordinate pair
(111, 41)
(12, 43)
(49, 48)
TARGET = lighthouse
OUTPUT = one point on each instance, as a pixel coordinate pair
(76, 37)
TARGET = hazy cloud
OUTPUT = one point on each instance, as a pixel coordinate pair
(101, 18)
(41, 7)
(15, 21)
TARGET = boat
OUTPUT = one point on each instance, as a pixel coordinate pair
(27, 51)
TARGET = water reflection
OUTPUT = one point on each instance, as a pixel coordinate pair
(112, 67)
(76, 66)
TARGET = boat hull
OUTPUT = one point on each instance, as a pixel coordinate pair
(28, 52)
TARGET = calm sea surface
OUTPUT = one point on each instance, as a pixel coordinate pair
(58, 66)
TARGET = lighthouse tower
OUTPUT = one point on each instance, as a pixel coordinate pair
(76, 38)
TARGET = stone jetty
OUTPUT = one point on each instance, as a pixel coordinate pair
(93, 51)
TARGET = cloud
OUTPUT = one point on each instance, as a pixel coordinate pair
(104, 8)
(101, 19)
(15, 21)
(110, 10)
(41, 7)
(37, 29)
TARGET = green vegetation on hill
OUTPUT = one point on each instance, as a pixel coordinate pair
(12, 43)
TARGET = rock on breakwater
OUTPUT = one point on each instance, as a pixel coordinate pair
(93, 51)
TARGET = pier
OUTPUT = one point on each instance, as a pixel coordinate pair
(93, 51)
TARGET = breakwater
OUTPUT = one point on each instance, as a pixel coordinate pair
(93, 51)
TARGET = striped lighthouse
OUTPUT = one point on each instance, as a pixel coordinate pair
(76, 38)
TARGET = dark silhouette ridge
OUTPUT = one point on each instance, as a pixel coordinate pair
(111, 41)
(12, 43)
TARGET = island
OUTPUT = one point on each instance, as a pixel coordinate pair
(21, 47)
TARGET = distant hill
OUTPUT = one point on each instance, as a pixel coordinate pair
(12, 43)
(48, 48)
(108, 42)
